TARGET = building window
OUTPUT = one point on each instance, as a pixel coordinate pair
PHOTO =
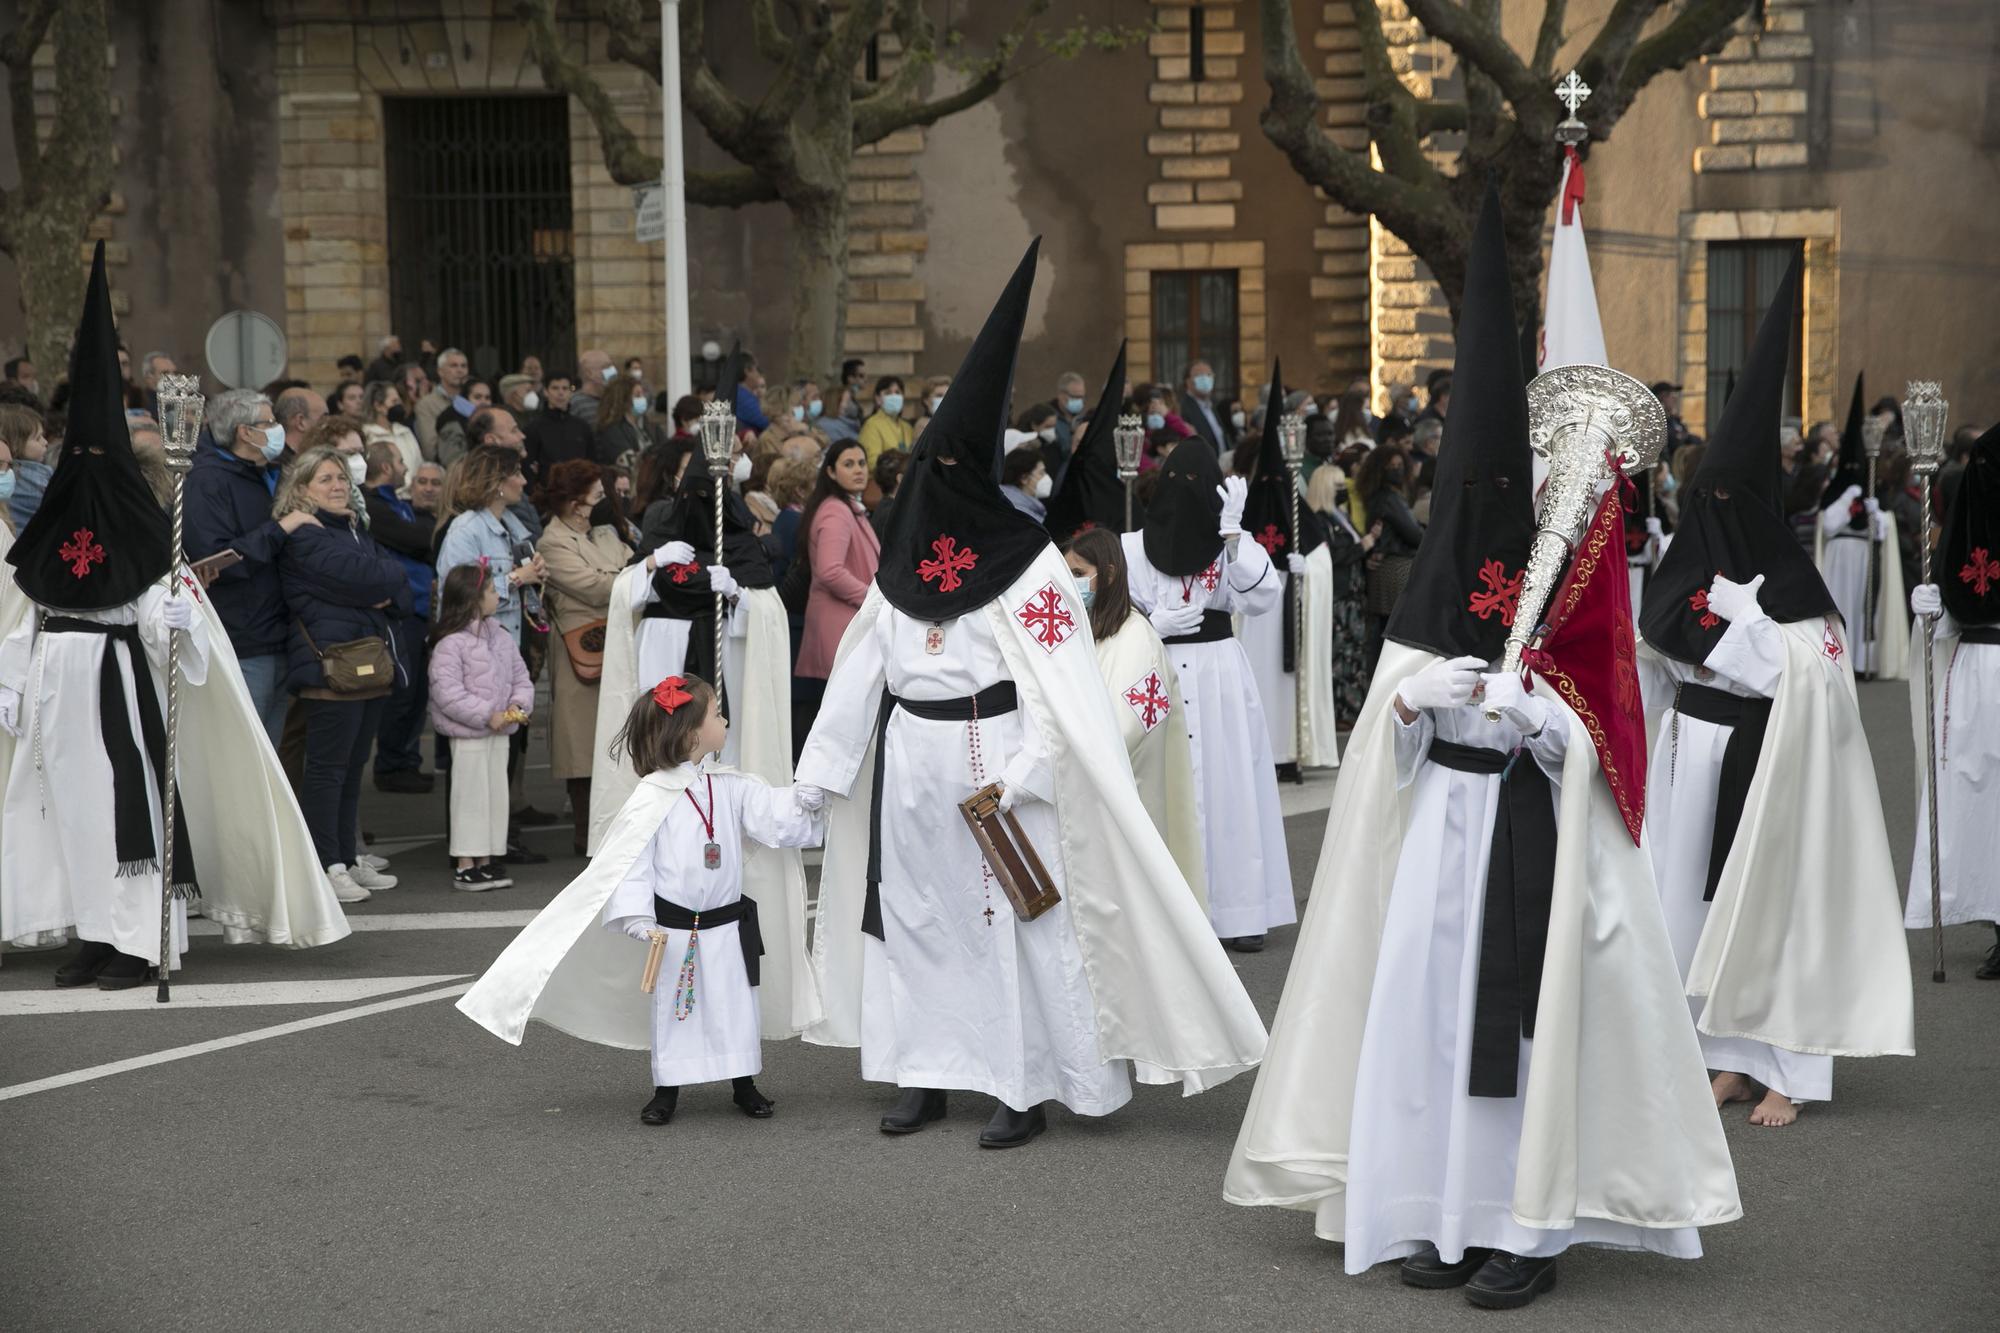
(1743, 277)
(1194, 319)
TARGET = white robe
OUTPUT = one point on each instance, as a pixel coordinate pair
(1616, 1125)
(1842, 555)
(1146, 699)
(1968, 758)
(719, 1037)
(660, 648)
(1243, 829)
(1162, 993)
(1277, 689)
(260, 877)
(1431, 1163)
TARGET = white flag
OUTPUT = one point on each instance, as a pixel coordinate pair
(1572, 334)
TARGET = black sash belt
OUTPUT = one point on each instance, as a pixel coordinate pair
(1215, 627)
(1747, 718)
(132, 790)
(992, 701)
(1979, 634)
(743, 912)
(1514, 930)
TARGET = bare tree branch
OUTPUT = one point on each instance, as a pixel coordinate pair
(624, 158)
(1440, 117)
(771, 43)
(1698, 30)
(875, 118)
(1548, 41)
(731, 187)
(1482, 46)
(1602, 60)
(17, 51)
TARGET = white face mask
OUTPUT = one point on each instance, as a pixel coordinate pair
(610, 374)
(740, 469)
(1048, 434)
(1043, 487)
(639, 403)
(935, 402)
(1237, 419)
(634, 373)
(530, 401)
(357, 468)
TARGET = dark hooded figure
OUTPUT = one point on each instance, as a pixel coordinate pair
(1965, 676)
(971, 664)
(1854, 551)
(1088, 493)
(1761, 797)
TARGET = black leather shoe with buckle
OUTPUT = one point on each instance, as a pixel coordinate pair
(1508, 1281)
(1427, 1268)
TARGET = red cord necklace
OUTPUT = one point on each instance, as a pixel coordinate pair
(711, 854)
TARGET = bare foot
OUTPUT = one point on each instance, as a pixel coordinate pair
(1732, 1088)
(1775, 1110)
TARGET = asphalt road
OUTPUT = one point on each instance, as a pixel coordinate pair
(394, 1167)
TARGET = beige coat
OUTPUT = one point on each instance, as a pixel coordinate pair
(582, 568)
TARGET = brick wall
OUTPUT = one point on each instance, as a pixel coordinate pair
(1755, 106)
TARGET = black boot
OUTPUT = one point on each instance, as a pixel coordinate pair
(1245, 944)
(750, 1101)
(83, 969)
(1508, 1281)
(916, 1108)
(579, 814)
(1010, 1128)
(1289, 772)
(661, 1109)
(123, 972)
(1427, 1268)
(1988, 970)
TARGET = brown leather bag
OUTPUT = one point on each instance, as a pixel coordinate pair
(585, 645)
(1009, 854)
(357, 669)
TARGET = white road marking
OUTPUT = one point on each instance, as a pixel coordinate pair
(226, 1043)
(221, 995)
(361, 921)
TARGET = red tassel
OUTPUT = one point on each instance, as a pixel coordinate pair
(1572, 186)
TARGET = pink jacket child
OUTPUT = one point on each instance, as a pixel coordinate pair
(476, 673)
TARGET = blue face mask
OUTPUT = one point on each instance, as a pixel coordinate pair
(892, 403)
(274, 442)
(1072, 405)
(465, 407)
(1089, 589)
(1155, 421)
(814, 408)
(1204, 384)
(6, 483)
(798, 413)
(639, 404)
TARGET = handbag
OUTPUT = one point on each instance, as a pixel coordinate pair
(585, 645)
(1009, 854)
(359, 668)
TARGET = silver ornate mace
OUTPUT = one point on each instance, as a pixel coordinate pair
(1924, 413)
(1127, 439)
(718, 447)
(181, 409)
(1292, 447)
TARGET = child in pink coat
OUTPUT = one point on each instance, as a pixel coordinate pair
(480, 695)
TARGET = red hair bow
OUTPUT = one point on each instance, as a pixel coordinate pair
(669, 694)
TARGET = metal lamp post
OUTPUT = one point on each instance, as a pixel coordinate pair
(1924, 413)
(1292, 445)
(718, 447)
(181, 410)
(1127, 439)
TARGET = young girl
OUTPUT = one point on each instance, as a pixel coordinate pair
(686, 885)
(480, 695)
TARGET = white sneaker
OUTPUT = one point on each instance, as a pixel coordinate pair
(372, 861)
(370, 878)
(344, 888)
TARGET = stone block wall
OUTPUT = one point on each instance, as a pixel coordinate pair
(1755, 105)
(1409, 318)
(886, 234)
(1340, 289)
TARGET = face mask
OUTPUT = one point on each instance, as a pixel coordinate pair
(892, 403)
(633, 373)
(1088, 587)
(274, 442)
(1072, 406)
(814, 408)
(464, 406)
(1310, 409)
(610, 374)
(1204, 383)
(798, 414)
(1048, 434)
(6, 483)
(1155, 421)
(357, 468)
(1043, 487)
(934, 404)
(639, 404)
(739, 471)
(1237, 420)
(530, 401)
(1670, 485)
(398, 415)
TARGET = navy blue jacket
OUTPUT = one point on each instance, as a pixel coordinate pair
(395, 525)
(333, 576)
(228, 507)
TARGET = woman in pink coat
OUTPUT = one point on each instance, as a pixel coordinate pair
(842, 551)
(480, 695)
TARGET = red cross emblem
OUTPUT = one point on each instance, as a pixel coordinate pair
(682, 573)
(1699, 602)
(1624, 666)
(1270, 539)
(1832, 642)
(82, 551)
(1047, 617)
(1149, 700)
(950, 563)
(1982, 572)
(1502, 594)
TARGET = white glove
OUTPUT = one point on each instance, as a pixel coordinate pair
(720, 582)
(808, 798)
(1295, 564)
(1234, 492)
(1175, 618)
(673, 553)
(1849, 496)
(640, 929)
(1871, 504)
(1525, 712)
(1008, 799)
(1925, 600)
(1442, 684)
(1736, 602)
(178, 613)
(1654, 529)
(10, 711)
(1878, 523)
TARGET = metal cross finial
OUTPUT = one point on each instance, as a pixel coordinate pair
(1572, 92)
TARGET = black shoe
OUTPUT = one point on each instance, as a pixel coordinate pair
(1289, 772)
(519, 855)
(529, 817)
(83, 969)
(1988, 970)
(750, 1101)
(1508, 1282)
(1246, 943)
(1010, 1128)
(1427, 1268)
(916, 1108)
(661, 1109)
(123, 972)
(405, 782)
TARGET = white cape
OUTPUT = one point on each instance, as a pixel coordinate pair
(1803, 947)
(261, 879)
(1166, 996)
(1892, 610)
(1135, 667)
(1618, 1123)
(761, 722)
(565, 969)
(1966, 678)
(1264, 641)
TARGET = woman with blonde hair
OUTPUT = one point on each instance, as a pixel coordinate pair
(379, 401)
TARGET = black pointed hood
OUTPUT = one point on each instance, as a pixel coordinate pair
(693, 521)
(1182, 534)
(953, 542)
(1851, 467)
(1466, 580)
(1731, 518)
(1089, 494)
(1969, 552)
(100, 537)
(1267, 509)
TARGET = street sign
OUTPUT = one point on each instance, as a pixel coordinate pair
(649, 208)
(245, 349)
